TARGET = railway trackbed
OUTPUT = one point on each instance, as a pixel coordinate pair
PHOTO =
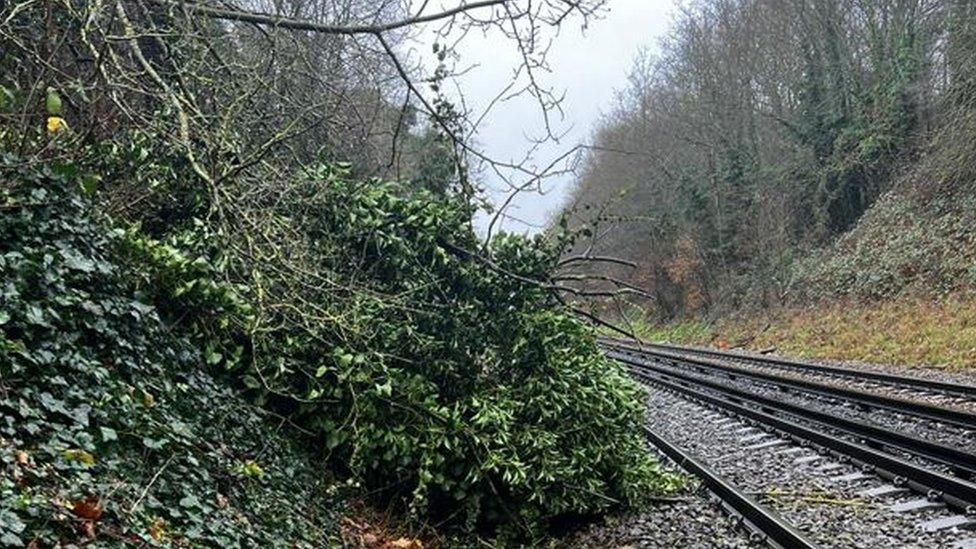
(828, 466)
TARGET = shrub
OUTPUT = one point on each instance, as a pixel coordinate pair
(457, 385)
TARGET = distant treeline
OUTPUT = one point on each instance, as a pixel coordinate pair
(763, 129)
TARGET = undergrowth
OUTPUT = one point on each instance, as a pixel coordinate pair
(153, 392)
(111, 429)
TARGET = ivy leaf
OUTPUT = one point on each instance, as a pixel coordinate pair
(74, 261)
(108, 434)
(190, 501)
(89, 184)
(212, 356)
(154, 444)
(35, 315)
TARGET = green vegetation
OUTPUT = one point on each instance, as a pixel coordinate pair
(211, 327)
(456, 388)
(680, 331)
(111, 428)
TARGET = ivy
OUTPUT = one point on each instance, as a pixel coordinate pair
(111, 429)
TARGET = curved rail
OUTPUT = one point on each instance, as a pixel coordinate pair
(918, 409)
(777, 531)
(956, 492)
(957, 459)
(893, 379)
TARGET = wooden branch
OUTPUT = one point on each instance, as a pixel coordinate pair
(326, 28)
(596, 258)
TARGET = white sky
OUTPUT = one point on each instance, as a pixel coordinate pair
(587, 64)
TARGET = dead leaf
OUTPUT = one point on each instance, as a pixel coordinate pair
(21, 457)
(88, 529)
(158, 529)
(88, 509)
(79, 456)
(221, 501)
(404, 543)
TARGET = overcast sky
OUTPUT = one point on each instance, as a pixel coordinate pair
(587, 64)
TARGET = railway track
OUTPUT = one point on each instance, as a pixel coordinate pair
(920, 491)
(769, 526)
(901, 403)
(936, 392)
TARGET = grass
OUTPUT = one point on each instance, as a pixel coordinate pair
(936, 332)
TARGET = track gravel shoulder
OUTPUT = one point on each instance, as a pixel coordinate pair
(694, 519)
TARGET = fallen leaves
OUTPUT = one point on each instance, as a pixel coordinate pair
(157, 530)
(89, 509)
(403, 543)
(374, 532)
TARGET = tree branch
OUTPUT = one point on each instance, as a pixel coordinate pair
(306, 25)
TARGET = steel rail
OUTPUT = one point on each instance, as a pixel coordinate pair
(919, 409)
(956, 492)
(777, 531)
(893, 379)
(953, 457)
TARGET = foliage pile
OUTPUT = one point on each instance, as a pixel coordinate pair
(442, 373)
(111, 429)
(428, 375)
(452, 381)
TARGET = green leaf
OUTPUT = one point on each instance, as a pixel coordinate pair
(108, 434)
(89, 184)
(52, 102)
(190, 501)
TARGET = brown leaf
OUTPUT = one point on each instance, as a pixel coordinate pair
(221, 501)
(404, 543)
(158, 529)
(88, 509)
(21, 457)
(88, 529)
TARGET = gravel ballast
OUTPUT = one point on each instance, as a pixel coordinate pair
(816, 492)
(936, 431)
(694, 518)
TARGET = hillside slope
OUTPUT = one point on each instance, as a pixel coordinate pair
(896, 288)
(919, 239)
